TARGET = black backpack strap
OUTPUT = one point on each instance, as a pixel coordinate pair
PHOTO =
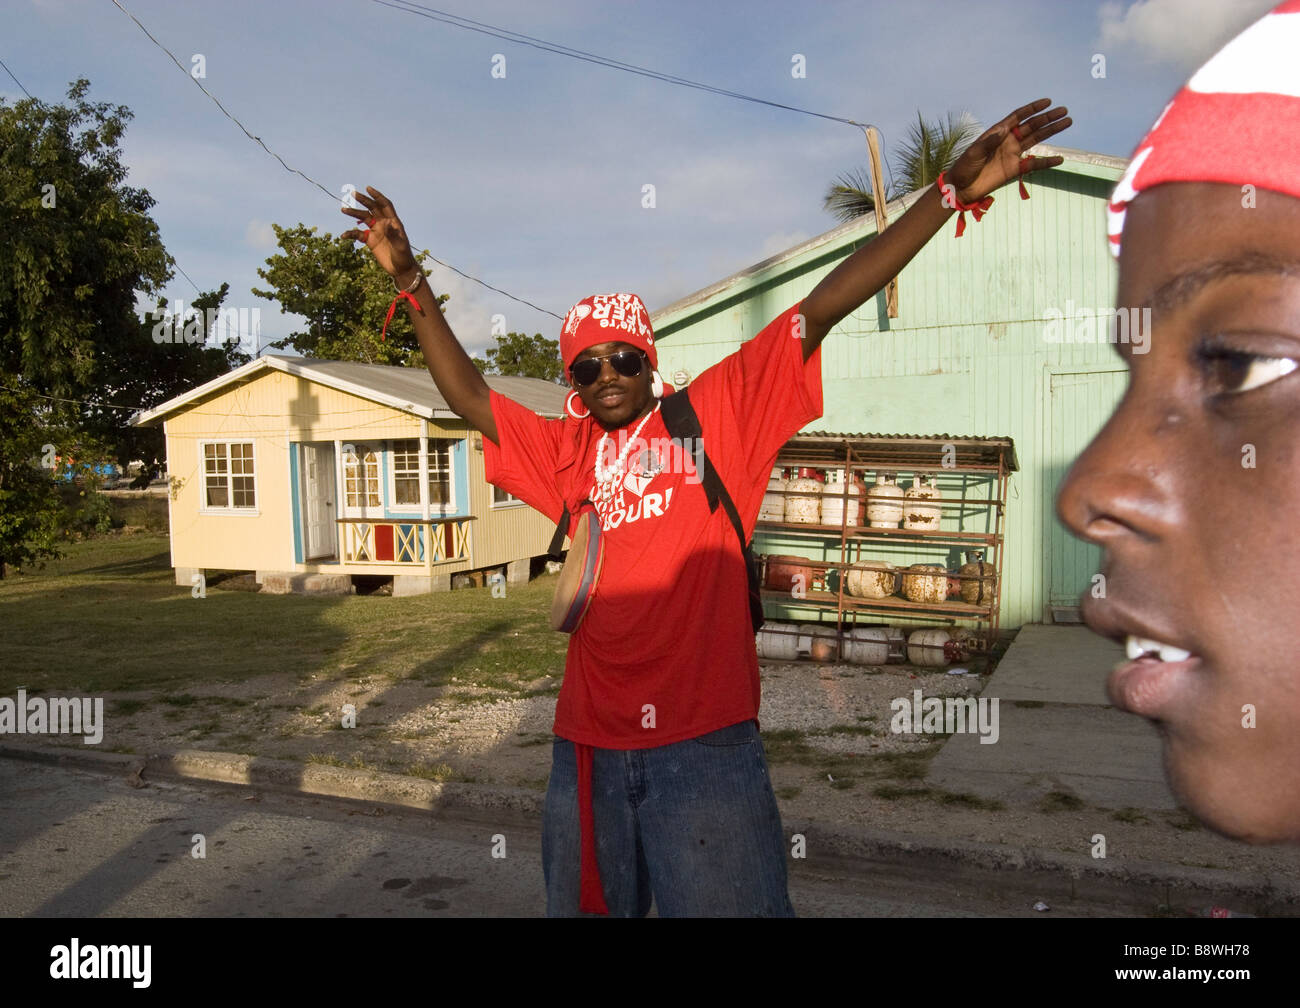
(557, 540)
(683, 423)
(562, 530)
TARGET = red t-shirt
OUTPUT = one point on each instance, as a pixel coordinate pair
(666, 650)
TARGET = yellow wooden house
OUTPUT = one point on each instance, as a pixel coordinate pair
(309, 472)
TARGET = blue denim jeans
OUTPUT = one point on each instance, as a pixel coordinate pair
(693, 824)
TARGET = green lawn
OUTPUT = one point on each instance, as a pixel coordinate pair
(107, 617)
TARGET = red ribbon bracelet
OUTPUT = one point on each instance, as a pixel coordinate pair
(949, 193)
(393, 307)
(978, 208)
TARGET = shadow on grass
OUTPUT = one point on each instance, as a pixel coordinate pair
(160, 561)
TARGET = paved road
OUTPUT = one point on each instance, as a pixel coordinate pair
(76, 843)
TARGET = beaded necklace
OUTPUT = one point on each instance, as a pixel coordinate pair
(607, 480)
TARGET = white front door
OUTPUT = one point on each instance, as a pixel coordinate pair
(318, 497)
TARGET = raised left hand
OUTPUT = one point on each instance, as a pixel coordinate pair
(995, 158)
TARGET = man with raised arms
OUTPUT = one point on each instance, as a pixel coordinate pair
(659, 784)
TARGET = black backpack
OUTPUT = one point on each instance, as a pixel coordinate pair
(684, 427)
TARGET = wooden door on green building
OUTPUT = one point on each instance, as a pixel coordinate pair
(1079, 404)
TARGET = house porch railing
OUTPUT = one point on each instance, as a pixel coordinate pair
(405, 542)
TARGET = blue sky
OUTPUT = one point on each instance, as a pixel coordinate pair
(533, 181)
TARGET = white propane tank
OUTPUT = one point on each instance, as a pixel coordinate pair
(803, 499)
(927, 585)
(864, 583)
(778, 642)
(834, 511)
(885, 502)
(867, 645)
(921, 510)
(773, 506)
(928, 647)
(824, 641)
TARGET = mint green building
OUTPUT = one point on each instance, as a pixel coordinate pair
(1004, 332)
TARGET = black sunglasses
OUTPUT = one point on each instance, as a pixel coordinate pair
(625, 362)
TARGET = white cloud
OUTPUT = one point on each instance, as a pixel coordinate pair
(468, 310)
(259, 235)
(1184, 33)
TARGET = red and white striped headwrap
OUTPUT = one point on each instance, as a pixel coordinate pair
(607, 318)
(1237, 121)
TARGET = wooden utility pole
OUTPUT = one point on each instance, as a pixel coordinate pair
(882, 220)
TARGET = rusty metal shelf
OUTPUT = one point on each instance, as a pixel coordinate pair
(988, 461)
(889, 604)
(867, 534)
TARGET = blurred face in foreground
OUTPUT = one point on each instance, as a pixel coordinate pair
(1193, 491)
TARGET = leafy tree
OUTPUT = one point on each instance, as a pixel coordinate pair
(529, 357)
(343, 294)
(80, 247)
(79, 243)
(930, 148)
(30, 506)
(167, 355)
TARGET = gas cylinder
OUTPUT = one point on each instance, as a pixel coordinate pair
(788, 574)
(865, 582)
(840, 502)
(803, 498)
(885, 502)
(921, 510)
(925, 583)
(778, 642)
(867, 645)
(979, 583)
(773, 507)
(825, 641)
(934, 648)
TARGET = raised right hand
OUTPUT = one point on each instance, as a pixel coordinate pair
(386, 238)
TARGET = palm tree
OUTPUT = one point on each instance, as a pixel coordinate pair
(850, 195)
(929, 149)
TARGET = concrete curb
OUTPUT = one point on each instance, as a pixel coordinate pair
(1051, 875)
(286, 775)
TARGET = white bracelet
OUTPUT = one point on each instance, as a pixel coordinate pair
(419, 275)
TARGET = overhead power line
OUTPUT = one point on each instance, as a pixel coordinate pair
(559, 49)
(195, 80)
(186, 276)
(455, 20)
(333, 196)
(78, 402)
(16, 80)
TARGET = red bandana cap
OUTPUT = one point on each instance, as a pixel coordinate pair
(608, 318)
(1237, 121)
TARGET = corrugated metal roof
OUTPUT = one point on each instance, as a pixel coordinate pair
(909, 451)
(415, 386)
(410, 390)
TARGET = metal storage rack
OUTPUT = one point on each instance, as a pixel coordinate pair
(973, 474)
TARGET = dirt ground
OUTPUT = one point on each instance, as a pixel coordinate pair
(826, 728)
